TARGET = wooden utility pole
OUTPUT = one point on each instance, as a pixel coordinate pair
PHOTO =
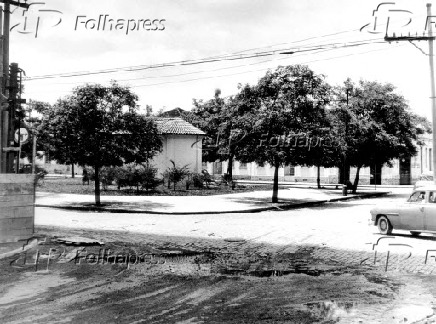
(433, 92)
(6, 113)
(430, 38)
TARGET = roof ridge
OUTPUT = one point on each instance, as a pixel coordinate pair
(176, 125)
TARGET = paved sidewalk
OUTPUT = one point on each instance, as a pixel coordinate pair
(229, 203)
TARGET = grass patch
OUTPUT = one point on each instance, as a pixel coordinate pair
(75, 186)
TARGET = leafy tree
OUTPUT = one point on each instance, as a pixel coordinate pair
(32, 116)
(326, 147)
(99, 126)
(380, 126)
(286, 106)
(218, 118)
(59, 131)
(209, 117)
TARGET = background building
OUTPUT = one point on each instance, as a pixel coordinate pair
(403, 171)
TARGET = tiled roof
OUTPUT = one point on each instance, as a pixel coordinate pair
(175, 125)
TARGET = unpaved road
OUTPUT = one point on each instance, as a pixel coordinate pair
(300, 273)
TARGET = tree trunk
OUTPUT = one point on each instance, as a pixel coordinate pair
(72, 170)
(97, 186)
(276, 184)
(356, 179)
(230, 172)
(344, 173)
(318, 176)
(229, 167)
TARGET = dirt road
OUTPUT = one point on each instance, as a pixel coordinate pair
(191, 280)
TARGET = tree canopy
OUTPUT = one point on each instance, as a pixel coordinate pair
(99, 126)
(379, 125)
(282, 117)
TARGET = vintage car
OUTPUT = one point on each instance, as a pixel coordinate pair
(417, 214)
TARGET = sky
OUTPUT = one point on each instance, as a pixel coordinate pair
(172, 51)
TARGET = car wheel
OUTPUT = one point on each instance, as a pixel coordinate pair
(384, 225)
(415, 233)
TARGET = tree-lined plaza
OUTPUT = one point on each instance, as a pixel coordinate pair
(291, 116)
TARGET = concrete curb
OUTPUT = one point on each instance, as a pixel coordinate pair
(251, 210)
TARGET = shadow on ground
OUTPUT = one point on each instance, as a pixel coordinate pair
(189, 280)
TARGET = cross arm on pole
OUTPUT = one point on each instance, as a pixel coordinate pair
(16, 3)
(408, 38)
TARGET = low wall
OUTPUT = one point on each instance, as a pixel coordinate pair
(17, 207)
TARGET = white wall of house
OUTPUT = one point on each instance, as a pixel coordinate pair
(420, 163)
(182, 149)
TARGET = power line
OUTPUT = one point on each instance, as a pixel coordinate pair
(201, 71)
(203, 61)
(258, 70)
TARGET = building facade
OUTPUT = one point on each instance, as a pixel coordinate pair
(181, 143)
(402, 172)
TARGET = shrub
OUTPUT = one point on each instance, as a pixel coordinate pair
(107, 176)
(166, 178)
(121, 177)
(198, 180)
(138, 176)
(226, 178)
(39, 174)
(149, 181)
(91, 173)
(176, 174)
(207, 177)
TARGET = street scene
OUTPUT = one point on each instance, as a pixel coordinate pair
(325, 263)
(212, 161)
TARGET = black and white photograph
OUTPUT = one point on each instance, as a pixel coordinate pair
(217, 161)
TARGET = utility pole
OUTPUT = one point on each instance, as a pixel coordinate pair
(6, 113)
(13, 92)
(430, 38)
(4, 71)
(433, 92)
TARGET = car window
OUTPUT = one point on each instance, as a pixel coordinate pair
(417, 196)
(432, 197)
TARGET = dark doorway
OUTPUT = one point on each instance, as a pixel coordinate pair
(217, 168)
(375, 174)
(405, 178)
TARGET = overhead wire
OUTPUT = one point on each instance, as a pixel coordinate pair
(257, 70)
(209, 59)
(203, 61)
(211, 70)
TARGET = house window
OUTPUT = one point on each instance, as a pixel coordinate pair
(289, 170)
(242, 165)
